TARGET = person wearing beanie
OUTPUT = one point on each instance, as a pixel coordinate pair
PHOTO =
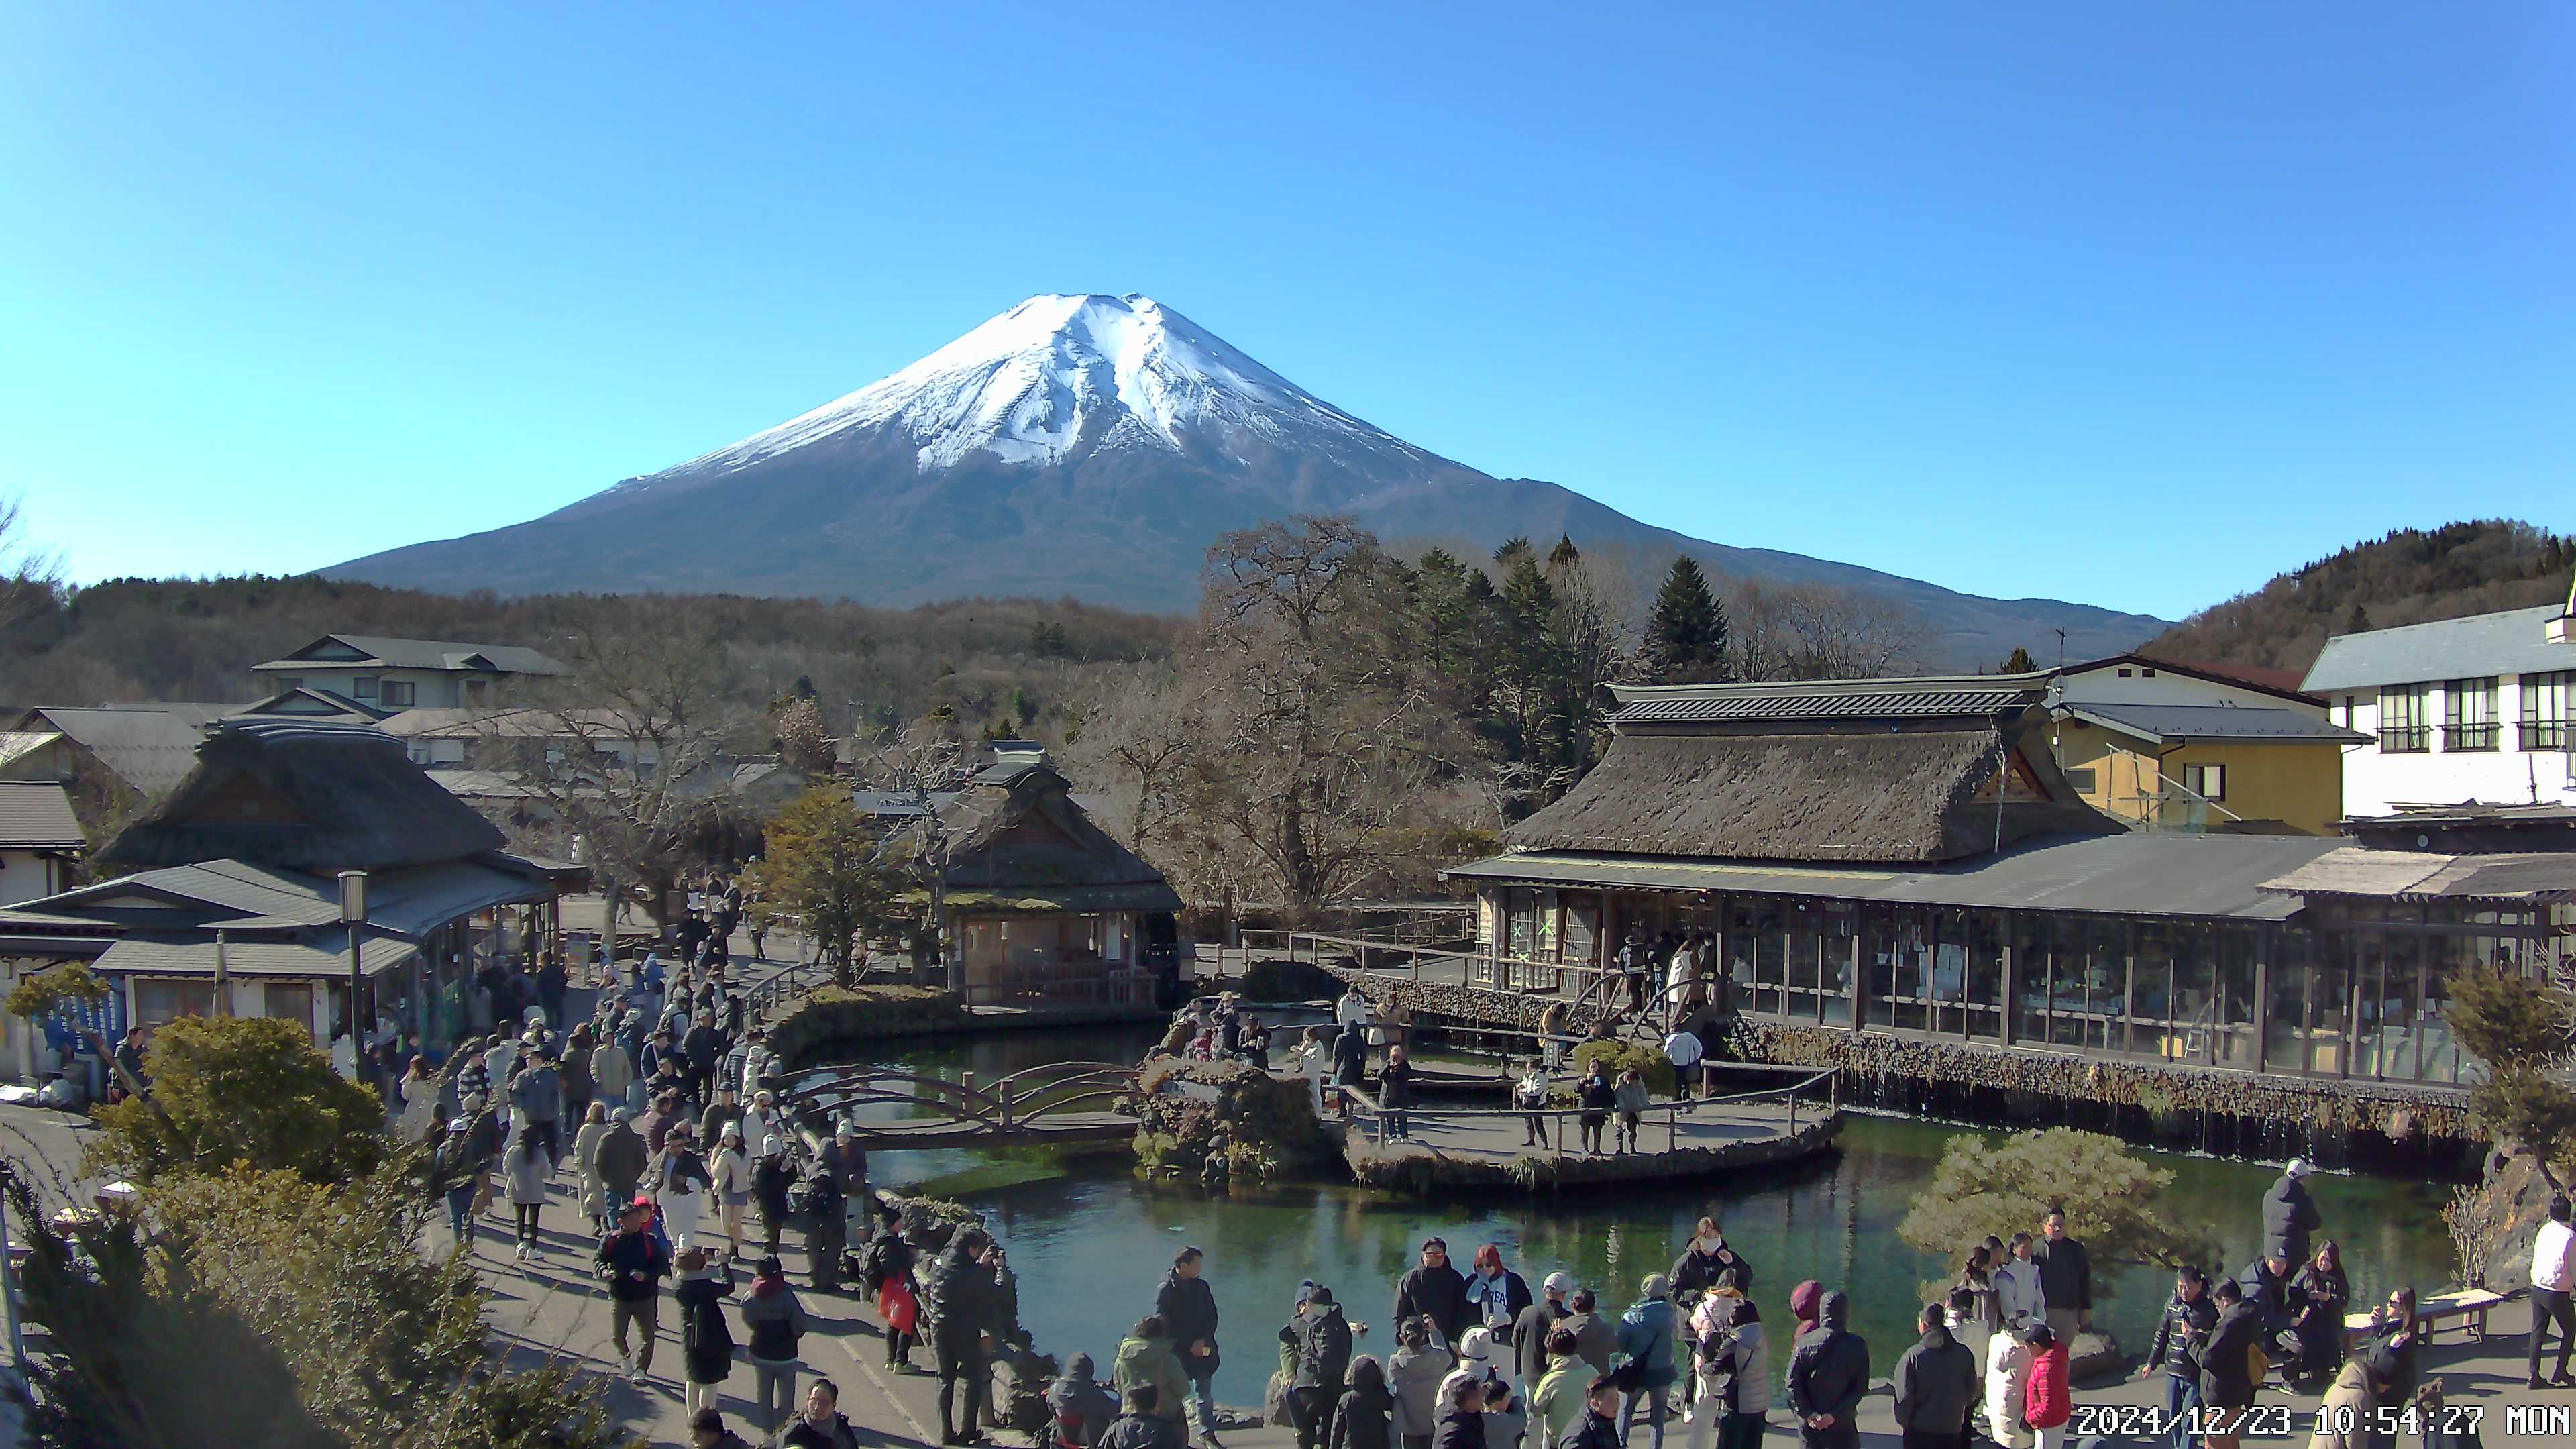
(1646, 1337)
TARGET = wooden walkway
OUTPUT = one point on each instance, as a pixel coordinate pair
(1446, 1147)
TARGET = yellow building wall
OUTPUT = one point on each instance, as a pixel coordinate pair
(2300, 785)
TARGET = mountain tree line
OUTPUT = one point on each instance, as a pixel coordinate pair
(2409, 576)
(1339, 720)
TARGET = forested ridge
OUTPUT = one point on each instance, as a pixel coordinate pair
(2410, 576)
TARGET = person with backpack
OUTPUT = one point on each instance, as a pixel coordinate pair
(1145, 1356)
(1322, 1339)
(706, 1341)
(1735, 1366)
(774, 1322)
(886, 1275)
(633, 1262)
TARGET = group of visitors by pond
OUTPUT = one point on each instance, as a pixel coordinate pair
(1469, 1356)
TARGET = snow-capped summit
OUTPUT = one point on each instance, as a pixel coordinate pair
(1060, 373)
(1093, 448)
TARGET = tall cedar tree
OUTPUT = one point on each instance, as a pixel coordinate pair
(1686, 636)
(2019, 661)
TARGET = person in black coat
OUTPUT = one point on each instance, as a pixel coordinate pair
(1827, 1376)
(1141, 1427)
(1436, 1291)
(1350, 1062)
(1462, 1418)
(1364, 1419)
(2319, 1294)
(1596, 1094)
(1187, 1306)
(2226, 1363)
(1936, 1386)
(961, 1297)
(1322, 1339)
(2290, 1214)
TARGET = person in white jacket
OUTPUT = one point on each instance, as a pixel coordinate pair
(731, 1171)
(2019, 1299)
(2007, 1380)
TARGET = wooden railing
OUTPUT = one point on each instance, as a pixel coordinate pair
(1015, 1103)
(1372, 1115)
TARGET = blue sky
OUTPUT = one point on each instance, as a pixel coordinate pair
(2128, 304)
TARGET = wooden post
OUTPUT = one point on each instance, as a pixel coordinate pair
(1858, 996)
(2262, 998)
(1793, 1111)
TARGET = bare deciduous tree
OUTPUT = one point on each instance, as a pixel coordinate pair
(31, 578)
(633, 751)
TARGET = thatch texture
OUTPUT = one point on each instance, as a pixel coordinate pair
(1876, 794)
(315, 798)
(1018, 833)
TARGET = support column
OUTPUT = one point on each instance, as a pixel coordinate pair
(2008, 979)
(2262, 999)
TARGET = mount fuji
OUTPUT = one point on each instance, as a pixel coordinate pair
(1091, 446)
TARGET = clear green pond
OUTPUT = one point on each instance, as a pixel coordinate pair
(1089, 1240)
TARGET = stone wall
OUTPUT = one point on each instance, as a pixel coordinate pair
(830, 1014)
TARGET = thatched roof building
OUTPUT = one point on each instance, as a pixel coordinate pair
(1896, 771)
(298, 796)
(1020, 842)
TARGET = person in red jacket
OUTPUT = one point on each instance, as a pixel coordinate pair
(2046, 1402)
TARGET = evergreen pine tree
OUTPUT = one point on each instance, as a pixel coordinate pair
(1563, 554)
(2018, 662)
(2358, 621)
(1686, 635)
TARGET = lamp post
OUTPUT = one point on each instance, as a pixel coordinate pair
(353, 918)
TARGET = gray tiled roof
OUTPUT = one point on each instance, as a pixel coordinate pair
(2215, 722)
(37, 815)
(1778, 705)
(421, 654)
(325, 955)
(151, 747)
(2512, 642)
(2209, 877)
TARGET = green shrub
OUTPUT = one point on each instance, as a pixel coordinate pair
(1646, 1060)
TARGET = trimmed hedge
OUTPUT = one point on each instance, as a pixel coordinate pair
(1647, 1061)
(1277, 978)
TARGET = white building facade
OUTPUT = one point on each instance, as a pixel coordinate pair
(2475, 709)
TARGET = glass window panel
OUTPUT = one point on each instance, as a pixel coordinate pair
(1984, 953)
(1767, 933)
(1895, 936)
(1836, 933)
(2031, 947)
(2191, 1009)
(2330, 1007)
(2545, 701)
(2441, 1059)
(1913, 969)
(2236, 947)
(2153, 1031)
(2469, 714)
(2405, 719)
(2285, 1039)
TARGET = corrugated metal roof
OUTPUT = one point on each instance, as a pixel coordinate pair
(37, 815)
(2511, 642)
(325, 955)
(2201, 877)
(2354, 870)
(2215, 722)
(1879, 704)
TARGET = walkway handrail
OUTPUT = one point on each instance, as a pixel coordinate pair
(1671, 1111)
(1010, 1101)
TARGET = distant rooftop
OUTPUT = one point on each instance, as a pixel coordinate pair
(363, 651)
(1941, 696)
(2178, 722)
(2515, 641)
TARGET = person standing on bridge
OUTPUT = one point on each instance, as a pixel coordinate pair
(1187, 1305)
(1395, 1093)
(1350, 1064)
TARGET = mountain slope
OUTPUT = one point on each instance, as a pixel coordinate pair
(2411, 576)
(1088, 446)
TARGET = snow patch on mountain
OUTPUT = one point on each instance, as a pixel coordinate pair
(1057, 375)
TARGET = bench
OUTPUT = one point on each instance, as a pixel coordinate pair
(2469, 1305)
